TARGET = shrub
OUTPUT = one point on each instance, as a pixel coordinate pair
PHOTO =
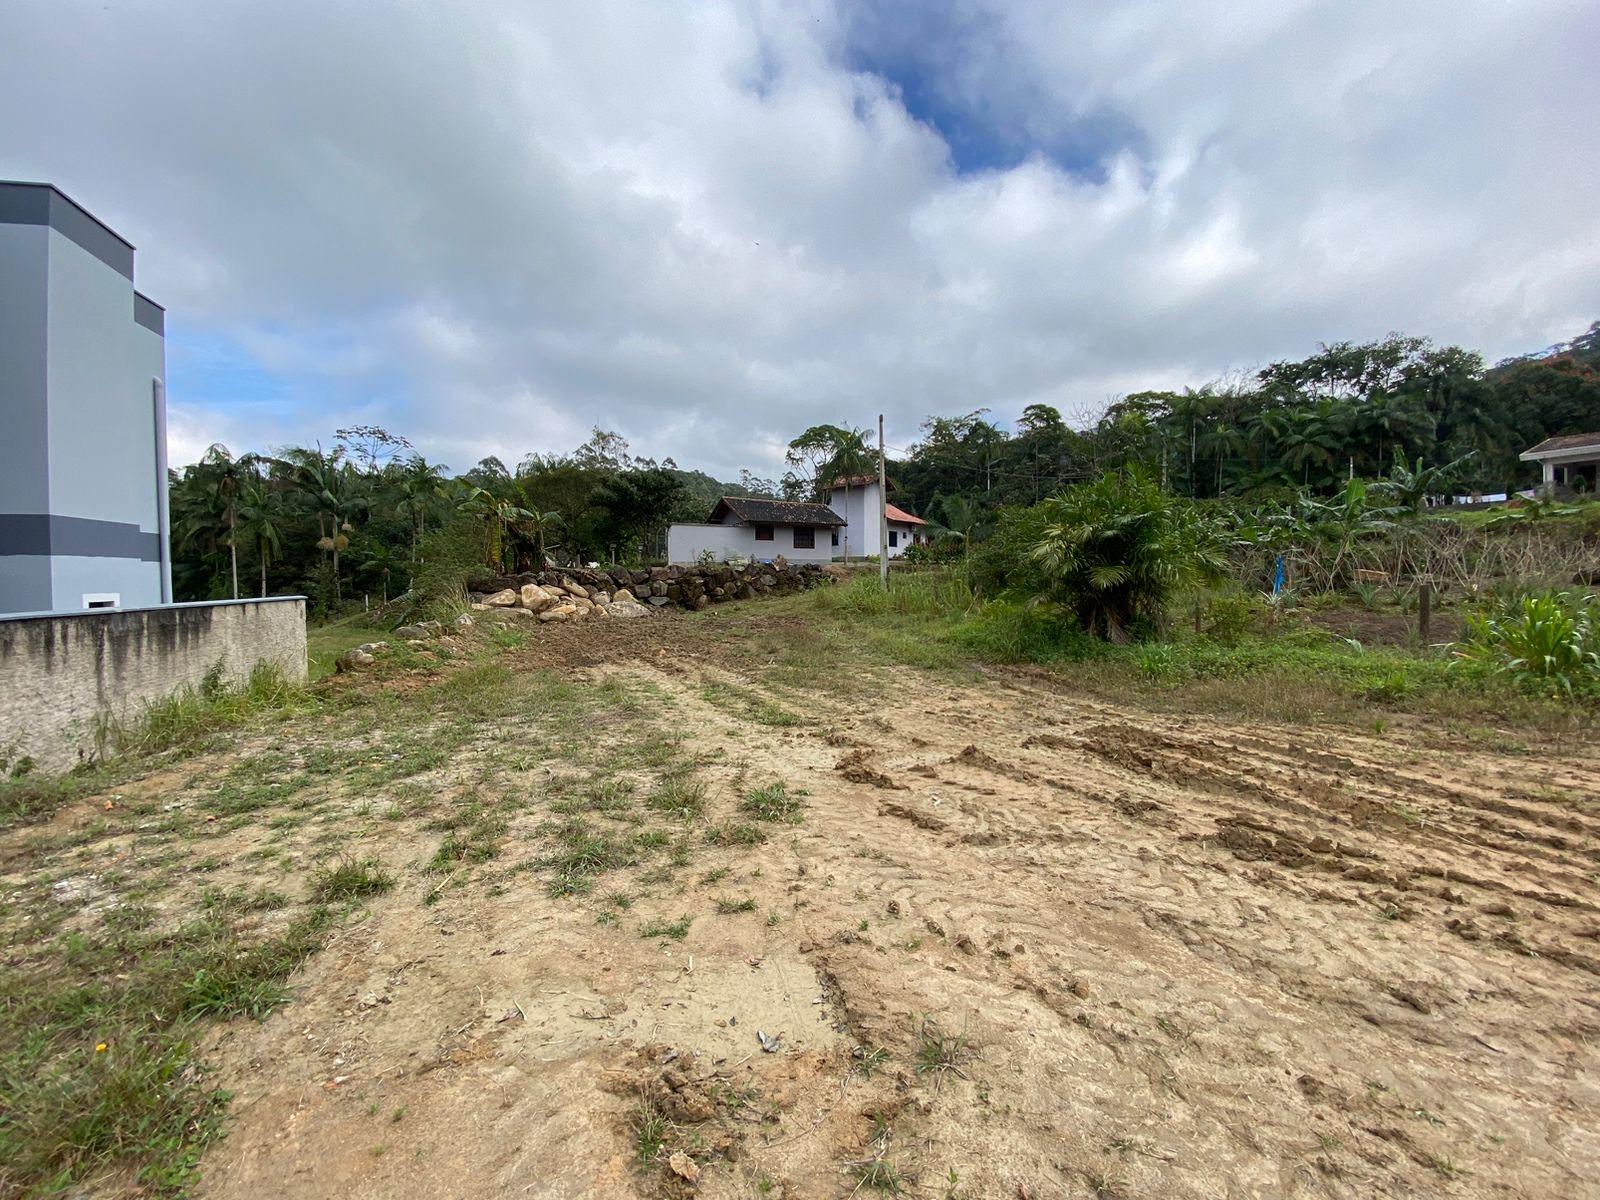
(1114, 553)
(1546, 643)
(448, 557)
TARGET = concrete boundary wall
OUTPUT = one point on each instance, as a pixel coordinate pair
(62, 673)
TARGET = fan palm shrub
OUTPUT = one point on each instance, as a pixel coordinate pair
(1115, 552)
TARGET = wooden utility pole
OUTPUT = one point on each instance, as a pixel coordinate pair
(883, 513)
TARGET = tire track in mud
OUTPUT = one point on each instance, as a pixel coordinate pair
(1207, 941)
(1027, 796)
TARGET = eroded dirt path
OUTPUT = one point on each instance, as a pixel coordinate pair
(1021, 944)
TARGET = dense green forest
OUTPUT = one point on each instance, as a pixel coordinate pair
(358, 519)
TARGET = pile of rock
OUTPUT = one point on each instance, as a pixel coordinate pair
(565, 600)
(368, 653)
(617, 592)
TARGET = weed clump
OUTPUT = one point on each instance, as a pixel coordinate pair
(773, 803)
(351, 879)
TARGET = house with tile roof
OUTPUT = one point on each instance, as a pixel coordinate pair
(1571, 463)
(756, 529)
(855, 498)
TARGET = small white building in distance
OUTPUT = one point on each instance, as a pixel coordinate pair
(855, 498)
(760, 530)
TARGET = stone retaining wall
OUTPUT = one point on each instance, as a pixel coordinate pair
(601, 590)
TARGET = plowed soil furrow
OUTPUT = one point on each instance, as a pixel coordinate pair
(1013, 941)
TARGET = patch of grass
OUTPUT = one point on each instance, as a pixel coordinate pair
(679, 795)
(195, 717)
(937, 1052)
(880, 1175)
(29, 798)
(97, 1047)
(676, 930)
(350, 879)
(727, 906)
(651, 1132)
(736, 833)
(583, 852)
(775, 802)
(749, 705)
(475, 845)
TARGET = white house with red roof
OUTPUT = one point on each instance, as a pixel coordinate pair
(855, 498)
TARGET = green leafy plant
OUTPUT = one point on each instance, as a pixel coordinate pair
(1115, 552)
(1545, 643)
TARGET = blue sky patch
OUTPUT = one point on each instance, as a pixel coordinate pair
(960, 76)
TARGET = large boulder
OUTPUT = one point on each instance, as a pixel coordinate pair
(622, 596)
(534, 598)
(502, 599)
(559, 612)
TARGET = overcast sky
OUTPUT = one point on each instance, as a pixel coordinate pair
(490, 226)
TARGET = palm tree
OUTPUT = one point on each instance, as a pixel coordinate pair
(1119, 549)
(1308, 440)
(420, 483)
(329, 489)
(261, 523)
(1394, 422)
(381, 560)
(539, 525)
(499, 517)
(221, 476)
(851, 459)
(961, 519)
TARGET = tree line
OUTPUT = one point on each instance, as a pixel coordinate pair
(362, 517)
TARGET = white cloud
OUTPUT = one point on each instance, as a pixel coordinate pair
(491, 226)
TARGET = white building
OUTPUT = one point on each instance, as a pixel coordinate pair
(762, 530)
(1570, 463)
(856, 499)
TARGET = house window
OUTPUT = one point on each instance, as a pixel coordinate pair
(894, 537)
(763, 533)
(805, 538)
(102, 599)
(835, 537)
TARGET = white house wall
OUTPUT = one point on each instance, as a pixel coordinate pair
(860, 510)
(686, 543)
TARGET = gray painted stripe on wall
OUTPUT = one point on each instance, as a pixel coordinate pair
(75, 537)
(44, 204)
(150, 314)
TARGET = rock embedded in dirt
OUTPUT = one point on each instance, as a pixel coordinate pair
(352, 660)
(684, 1167)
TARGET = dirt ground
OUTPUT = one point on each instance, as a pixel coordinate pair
(1019, 943)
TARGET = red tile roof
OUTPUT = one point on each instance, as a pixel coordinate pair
(901, 515)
